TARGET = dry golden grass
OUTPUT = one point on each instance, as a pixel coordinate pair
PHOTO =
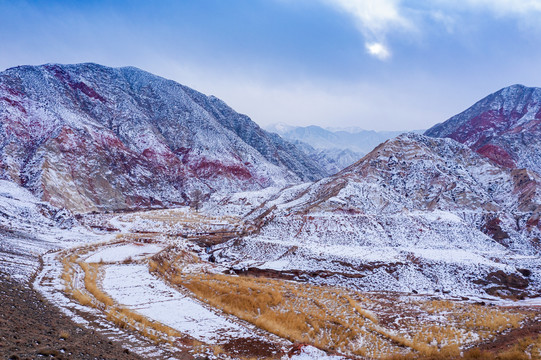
(217, 350)
(134, 237)
(83, 298)
(526, 348)
(176, 217)
(64, 334)
(478, 318)
(91, 274)
(171, 215)
(92, 295)
(326, 317)
(152, 266)
(337, 319)
(67, 271)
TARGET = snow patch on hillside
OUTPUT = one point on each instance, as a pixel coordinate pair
(29, 228)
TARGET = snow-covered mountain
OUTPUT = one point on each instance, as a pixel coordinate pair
(504, 126)
(88, 137)
(333, 148)
(356, 140)
(417, 213)
(332, 160)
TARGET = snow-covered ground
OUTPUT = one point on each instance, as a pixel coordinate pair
(134, 287)
(429, 253)
(122, 252)
(29, 228)
(131, 285)
(312, 353)
(48, 282)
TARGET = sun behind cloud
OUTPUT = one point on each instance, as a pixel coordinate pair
(375, 19)
(378, 50)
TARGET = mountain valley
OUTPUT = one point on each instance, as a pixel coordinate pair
(159, 219)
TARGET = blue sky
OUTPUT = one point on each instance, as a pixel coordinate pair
(375, 64)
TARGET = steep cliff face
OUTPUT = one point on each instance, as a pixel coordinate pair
(89, 137)
(504, 126)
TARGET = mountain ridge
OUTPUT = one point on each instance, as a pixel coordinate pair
(416, 213)
(360, 141)
(148, 141)
(505, 126)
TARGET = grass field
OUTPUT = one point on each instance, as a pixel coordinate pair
(91, 295)
(350, 322)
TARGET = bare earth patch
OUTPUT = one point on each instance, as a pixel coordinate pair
(32, 328)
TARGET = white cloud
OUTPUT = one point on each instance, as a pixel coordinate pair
(375, 19)
(508, 7)
(523, 10)
(444, 19)
(378, 50)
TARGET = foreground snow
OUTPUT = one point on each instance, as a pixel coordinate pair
(312, 353)
(134, 287)
(123, 252)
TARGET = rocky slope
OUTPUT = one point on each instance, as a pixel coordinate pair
(504, 126)
(416, 214)
(88, 137)
(32, 328)
(29, 228)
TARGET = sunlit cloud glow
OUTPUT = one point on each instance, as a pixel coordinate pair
(378, 50)
(375, 19)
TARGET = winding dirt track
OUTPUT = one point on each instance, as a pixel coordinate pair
(48, 283)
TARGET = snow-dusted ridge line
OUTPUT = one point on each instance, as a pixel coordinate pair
(415, 215)
(504, 126)
(147, 142)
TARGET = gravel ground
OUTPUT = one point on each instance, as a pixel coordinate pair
(32, 328)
